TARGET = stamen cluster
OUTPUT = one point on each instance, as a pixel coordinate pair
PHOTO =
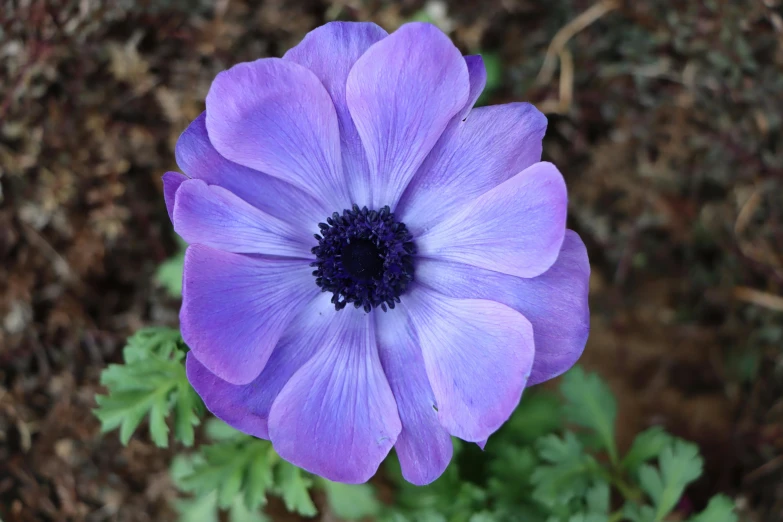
(364, 257)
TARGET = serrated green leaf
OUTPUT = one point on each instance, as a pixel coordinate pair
(198, 509)
(169, 274)
(719, 509)
(239, 512)
(590, 403)
(293, 488)
(351, 502)
(151, 381)
(647, 445)
(568, 474)
(597, 498)
(636, 513)
(680, 464)
(588, 517)
(483, 516)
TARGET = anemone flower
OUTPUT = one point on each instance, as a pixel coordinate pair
(373, 262)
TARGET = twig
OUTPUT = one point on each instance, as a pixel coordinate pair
(567, 32)
(757, 297)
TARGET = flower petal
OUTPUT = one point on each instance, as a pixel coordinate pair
(198, 159)
(330, 51)
(423, 446)
(477, 76)
(246, 407)
(473, 156)
(337, 417)
(211, 215)
(236, 307)
(516, 228)
(402, 93)
(171, 182)
(478, 356)
(555, 302)
(275, 116)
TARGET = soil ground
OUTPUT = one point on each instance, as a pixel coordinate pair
(665, 118)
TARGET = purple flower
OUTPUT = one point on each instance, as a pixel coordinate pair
(372, 262)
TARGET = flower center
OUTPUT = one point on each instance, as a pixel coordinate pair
(364, 257)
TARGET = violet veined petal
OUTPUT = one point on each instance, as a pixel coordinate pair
(516, 228)
(275, 116)
(330, 51)
(477, 76)
(478, 355)
(555, 302)
(424, 447)
(401, 94)
(337, 417)
(211, 215)
(198, 159)
(236, 307)
(472, 157)
(246, 407)
(171, 182)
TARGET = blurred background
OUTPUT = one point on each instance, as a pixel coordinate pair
(664, 117)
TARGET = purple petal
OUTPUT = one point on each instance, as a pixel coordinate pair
(423, 446)
(482, 444)
(246, 407)
(472, 157)
(198, 159)
(516, 228)
(477, 75)
(478, 356)
(402, 93)
(235, 405)
(555, 302)
(337, 417)
(275, 116)
(211, 215)
(235, 308)
(171, 182)
(330, 51)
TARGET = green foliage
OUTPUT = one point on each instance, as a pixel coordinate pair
(590, 403)
(169, 273)
(240, 470)
(150, 384)
(536, 470)
(351, 502)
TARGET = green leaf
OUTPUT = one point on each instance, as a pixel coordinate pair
(636, 513)
(590, 403)
(293, 488)
(647, 445)
(230, 468)
(680, 464)
(351, 502)
(597, 498)
(719, 509)
(150, 383)
(493, 65)
(169, 274)
(568, 474)
(588, 517)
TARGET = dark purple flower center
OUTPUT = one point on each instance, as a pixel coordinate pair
(364, 257)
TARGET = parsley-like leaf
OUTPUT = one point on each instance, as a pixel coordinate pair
(590, 403)
(647, 445)
(351, 502)
(719, 509)
(680, 464)
(293, 488)
(150, 383)
(568, 473)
